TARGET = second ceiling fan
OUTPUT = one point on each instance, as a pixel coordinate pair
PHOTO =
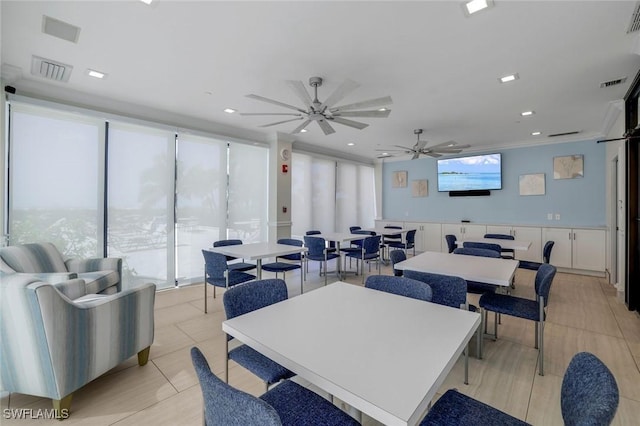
(325, 113)
(435, 151)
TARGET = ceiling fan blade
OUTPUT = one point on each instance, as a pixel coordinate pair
(364, 104)
(445, 151)
(432, 154)
(444, 144)
(280, 122)
(392, 149)
(326, 127)
(415, 156)
(299, 89)
(271, 101)
(372, 113)
(350, 123)
(302, 126)
(270, 113)
(405, 147)
(343, 90)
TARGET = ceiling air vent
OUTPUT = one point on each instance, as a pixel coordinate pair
(51, 70)
(60, 29)
(613, 82)
(634, 25)
(575, 132)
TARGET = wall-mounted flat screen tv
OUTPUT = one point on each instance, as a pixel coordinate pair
(470, 173)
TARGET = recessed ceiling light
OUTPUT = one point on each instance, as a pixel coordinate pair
(351, 144)
(95, 74)
(474, 6)
(527, 113)
(303, 131)
(535, 133)
(508, 78)
(146, 1)
(229, 110)
(382, 109)
(385, 153)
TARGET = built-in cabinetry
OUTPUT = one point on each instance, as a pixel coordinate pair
(577, 248)
(574, 248)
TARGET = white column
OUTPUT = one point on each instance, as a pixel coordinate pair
(280, 186)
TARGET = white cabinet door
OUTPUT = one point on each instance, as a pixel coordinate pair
(452, 229)
(561, 252)
(588, 249)
(433, 237)
(420, 234)
(499, 229)
(474, 231)
(529, 233)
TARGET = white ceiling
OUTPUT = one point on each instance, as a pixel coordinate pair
(440, 67)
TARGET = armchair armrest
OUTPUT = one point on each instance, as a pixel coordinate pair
(73, 288)
(94, 264)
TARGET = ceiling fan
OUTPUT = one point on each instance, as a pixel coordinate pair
(433, 151)
(325, 113)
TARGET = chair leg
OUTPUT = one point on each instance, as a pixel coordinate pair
(62, 407)
(226, 359)
(143, 356)
(466, 365)
(537, 338)
(495, 326)
(205, 295)
(541, 344)
(325, 271)
(480, 331)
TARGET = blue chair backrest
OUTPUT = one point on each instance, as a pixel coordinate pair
(354, 228)
(397, 256)
(544, 278)
(500, 236)
(313, 232)
(248, 297)
(371, 244)
(446, 289)
(291, 242)
(589, 393)
(316, 246)
(401, 286)
(363, 232)
(546, 252)
(215, 264)
(470, 251)
(486, 246)
(411, 236)
(451, 242)
(223, 243)
(226, 405)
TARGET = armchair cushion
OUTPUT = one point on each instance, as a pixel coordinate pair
(36, 257)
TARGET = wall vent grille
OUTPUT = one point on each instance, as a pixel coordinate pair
(613, 82)
(634, 25)
(51, 70)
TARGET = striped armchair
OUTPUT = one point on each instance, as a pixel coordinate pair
(44, 261)
(51, 345)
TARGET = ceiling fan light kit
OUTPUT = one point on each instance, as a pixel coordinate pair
(324, 113)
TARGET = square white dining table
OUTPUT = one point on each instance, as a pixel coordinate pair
(505, 244)
(383, 354)
(472, 268)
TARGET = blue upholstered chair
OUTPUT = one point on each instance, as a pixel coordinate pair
(286, 404)
(332, 244)
(218, 274)
(397, 256)
(451, 242)
(409, 242)
(356, 245)
(319, 253)
(370, 252)
(44, 261)
(589, 396)
(505, 253)
(56, 338)
(401, 286)
(533, 310)
(248, 298)
(286, 265)
(475, 286)
(450, 291)
(354, 228)
(546, 258)
(234, 266)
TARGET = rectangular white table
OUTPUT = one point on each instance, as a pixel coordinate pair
(472, 268)
(383, 354)
(505, 244)
(259, 251)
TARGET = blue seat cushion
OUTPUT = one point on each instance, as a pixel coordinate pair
(511, 305)
(526, 264)
(267, 370)
(280, 267)
(321, 258)
(241, 266)
(454, 408)
(297, 405)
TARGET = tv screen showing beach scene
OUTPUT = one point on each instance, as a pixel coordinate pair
(470, 173)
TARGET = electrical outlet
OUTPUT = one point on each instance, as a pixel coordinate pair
(549, 216)
(557, 216)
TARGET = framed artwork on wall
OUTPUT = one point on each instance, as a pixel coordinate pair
(568, 167)
(399, 179)
(532, 184)
(419, 188)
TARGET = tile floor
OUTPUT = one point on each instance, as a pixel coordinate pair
(583, 315)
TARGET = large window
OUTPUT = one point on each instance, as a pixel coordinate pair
(55, 180)
(330, 196)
